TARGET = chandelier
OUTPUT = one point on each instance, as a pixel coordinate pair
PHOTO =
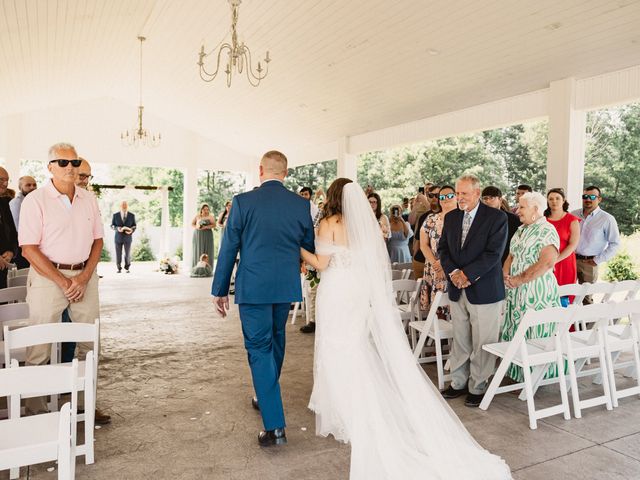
(238, 56)
(138, 135)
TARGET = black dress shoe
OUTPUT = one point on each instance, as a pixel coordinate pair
(272, 437)
(308, 328)
(451, 392)
(254, 404)
(473, 400)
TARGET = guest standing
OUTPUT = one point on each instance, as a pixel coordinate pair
(528, 273)
(492, 197)
(418, 260)
(568, 228)
(599, 237)
(124, 223)
(26, 185)
(398, 245)
(473, 239)
(8, 235)
(203, 223)
(383, 221)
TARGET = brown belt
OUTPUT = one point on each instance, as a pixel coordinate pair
(582, 257)
(73, 266)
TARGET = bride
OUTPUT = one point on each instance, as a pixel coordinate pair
(368, 389)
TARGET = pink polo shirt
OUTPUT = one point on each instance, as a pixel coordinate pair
(64, 231)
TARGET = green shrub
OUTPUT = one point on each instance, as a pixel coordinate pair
(179, 252)
(620, 268)
(105, 256)
(142, 252)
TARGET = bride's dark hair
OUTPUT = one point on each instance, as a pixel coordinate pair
(333, 203)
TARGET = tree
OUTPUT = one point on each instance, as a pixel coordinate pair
(315, 176)
(215, 188)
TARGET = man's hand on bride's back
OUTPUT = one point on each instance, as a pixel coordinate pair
(222, 305)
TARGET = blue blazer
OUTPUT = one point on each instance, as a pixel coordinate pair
(480, 256)
(267, 226)
(129, 221)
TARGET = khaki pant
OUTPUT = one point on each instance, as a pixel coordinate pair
(587, 274)
(311, 300)
(46, 303)
(473, 327)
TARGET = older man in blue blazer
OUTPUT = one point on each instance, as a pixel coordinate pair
(267, 227)
(473, 239)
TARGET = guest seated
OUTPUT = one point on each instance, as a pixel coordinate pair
(400, 231)
(528, 272)
(203, 268)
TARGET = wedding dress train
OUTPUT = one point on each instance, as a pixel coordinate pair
(368, 389)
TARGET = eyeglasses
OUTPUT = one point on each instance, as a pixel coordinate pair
(590, 196)
(432, 195)
(447, 196)
(84, 176)
(63, 162)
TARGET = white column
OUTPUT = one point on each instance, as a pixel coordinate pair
(251, 179)
(164, 222)
(189, 209)
(347, 163)
(13, 152)
(566, 146)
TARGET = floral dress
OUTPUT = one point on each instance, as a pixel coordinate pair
(432, 228)
(541, 293)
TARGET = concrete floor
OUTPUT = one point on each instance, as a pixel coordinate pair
(176, 381)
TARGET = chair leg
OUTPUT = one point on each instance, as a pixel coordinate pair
(439, 363)
(563, 386)
(531, 406)
(573, 381)
(493, 386)
(605, 378)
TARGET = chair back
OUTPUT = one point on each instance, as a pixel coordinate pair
(404, 289)
(575, 290)
(598, 288)
(627, 290)
(23, 272)
(13, 294)
(397, 274)
(14, 311)
(17, 281)
(38, 379)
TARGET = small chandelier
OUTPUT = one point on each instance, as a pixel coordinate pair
(138, 135)
(238, 56)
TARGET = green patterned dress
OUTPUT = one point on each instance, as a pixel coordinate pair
(538, 294)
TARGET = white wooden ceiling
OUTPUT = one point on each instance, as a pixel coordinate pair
(340, 67)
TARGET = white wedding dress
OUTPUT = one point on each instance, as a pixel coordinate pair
(368, 389)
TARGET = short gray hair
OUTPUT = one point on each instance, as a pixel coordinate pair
(475, 181)
(60, 146)
(535, 199)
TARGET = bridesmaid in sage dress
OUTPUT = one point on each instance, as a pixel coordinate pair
(203, 223)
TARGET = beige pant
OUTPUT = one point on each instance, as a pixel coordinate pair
(46, 303)
(311, 301)
(587, 274)
(473, 327)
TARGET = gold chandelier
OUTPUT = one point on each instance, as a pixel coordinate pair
(238, 56)
(138, 135)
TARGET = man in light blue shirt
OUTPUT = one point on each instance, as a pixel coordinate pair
(599, 237)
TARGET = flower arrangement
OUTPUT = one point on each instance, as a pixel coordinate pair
(169, 265)
(313, 277)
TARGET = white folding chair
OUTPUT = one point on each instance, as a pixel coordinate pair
(411, 310)
(20, 281)
(13, 294)
(298, 305)
(522, 352)
(621, 338)
(397, 275)
(22, 272)
(436, 329)
(404, 289)
(572, 290)
(39, 438)
(408, 274)
(621, 291)
(13, 315)
(54, 333)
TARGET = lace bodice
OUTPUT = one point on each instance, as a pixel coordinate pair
(340, 254)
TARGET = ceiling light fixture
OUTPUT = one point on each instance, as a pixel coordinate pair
(139, 136)
(238, 56)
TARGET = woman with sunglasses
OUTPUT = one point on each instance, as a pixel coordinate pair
(568, 227)
(434, 277)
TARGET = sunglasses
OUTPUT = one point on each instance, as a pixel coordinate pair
(589, 196)
(433, 195)
(63, 163)
(447, 196)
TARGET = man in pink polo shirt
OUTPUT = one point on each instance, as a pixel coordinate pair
(61, 236)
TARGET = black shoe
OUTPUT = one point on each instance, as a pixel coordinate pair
(308, 328)
(127, 270)
(473, 400)
(254, 404)
(451, 392)
(119, 270)
(272, 437)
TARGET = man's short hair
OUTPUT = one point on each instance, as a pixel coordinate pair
(276, 162)
(306, 189)
(475, 181)
(526, 187)
(60, 146)
(491, 191)
(593, 187)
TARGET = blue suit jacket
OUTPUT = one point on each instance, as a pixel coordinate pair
(480, 256)
(267, 226)
(129, 221)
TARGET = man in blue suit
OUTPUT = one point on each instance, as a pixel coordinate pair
(473, 239)
(124, 223)
(267, 226)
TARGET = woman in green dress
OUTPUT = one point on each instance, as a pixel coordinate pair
(528, 273)
(203, 223)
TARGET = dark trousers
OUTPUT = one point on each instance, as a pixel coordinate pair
(263, 327)
(127, 253)
(3, 278)
(68, 348)
(20, 261)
